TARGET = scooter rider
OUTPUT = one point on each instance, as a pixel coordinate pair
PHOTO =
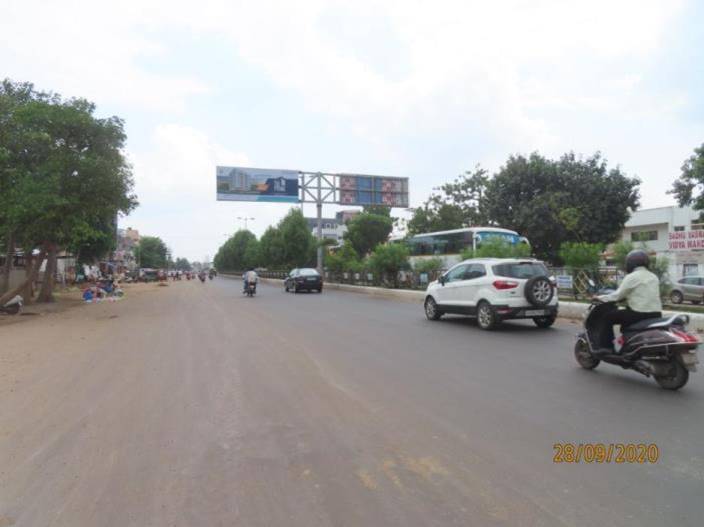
(640, 290)
(249, 277)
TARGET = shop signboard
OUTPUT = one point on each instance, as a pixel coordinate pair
(685, 240)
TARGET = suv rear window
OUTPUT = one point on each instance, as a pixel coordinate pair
(520, 270)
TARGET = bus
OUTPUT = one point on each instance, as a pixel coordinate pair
(448, 245)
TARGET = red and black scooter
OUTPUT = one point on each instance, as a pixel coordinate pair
(660, 347)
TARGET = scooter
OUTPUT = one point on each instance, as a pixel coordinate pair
(13, 306)
(251, 289)
(201, 277)
(657, 347)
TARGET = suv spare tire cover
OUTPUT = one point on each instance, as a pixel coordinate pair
(539, 291)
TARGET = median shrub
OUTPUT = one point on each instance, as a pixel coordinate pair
(581, 255)
(387, 260)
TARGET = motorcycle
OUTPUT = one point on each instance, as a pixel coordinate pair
(251, 289)
(657, 347)
(201, 277)
(13, 306)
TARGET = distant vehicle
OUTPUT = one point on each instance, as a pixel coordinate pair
(448, 245)
(306, 279)
(148, 275)
(250, 289)
(494, 290)
(689, 288)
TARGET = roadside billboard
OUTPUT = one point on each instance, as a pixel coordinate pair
(256, 184)
(373, 190)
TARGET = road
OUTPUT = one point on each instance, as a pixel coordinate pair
(191, 405)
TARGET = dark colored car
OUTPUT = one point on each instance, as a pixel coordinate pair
(305, 279)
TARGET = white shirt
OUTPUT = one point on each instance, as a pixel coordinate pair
(641, 291)
(250, 277)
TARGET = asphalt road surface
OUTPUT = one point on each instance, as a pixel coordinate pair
(191, 405)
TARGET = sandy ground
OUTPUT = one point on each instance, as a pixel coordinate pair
(191, 405)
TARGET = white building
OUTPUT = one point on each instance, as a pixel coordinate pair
(674, 232)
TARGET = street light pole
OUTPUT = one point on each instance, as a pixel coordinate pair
(245, 218)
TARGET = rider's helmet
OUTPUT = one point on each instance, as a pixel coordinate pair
(636, 258)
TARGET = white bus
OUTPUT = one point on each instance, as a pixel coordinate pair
(448, 245)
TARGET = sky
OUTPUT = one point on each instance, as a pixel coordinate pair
(424, 90)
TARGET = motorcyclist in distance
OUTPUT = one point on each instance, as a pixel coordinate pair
(249, 277)
(640, 290)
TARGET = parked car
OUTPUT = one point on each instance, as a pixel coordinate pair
(305, 279)
(493, 290)
(689, 288)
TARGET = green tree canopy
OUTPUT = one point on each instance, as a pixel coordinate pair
(298, 243)
(367, 230)
(63, 175)
(151, 252)
(459, 204)
(551, 202)
(689, 187)
(182, 264)
(232, 255)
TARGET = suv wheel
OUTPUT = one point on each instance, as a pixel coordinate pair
(431, 309)
(486, 317)
(676, 297)
(539, 291)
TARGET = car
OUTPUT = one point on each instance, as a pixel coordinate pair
(689, 288)
(305, 279)
(494, 290)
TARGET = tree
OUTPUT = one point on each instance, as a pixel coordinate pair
(182, 264)
(271, 249)
(296, 240)
(367, 230)
(621, 250)
(151, 252)
(62, 173)
(344, 260)
(232, 254)
(459, 204)
(551, 202)
(689, 187)
(581, 255)
(388, 259)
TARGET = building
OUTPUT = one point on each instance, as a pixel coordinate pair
(673, 232)
(333, 228)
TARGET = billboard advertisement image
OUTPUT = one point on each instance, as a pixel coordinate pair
(257, 184)
(373, 190)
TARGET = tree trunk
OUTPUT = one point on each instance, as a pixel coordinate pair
(46, 293)
(7, 268)
(32, 271)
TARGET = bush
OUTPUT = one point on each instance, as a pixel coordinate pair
(345, 260)
(497, 248)
(581, 255)
(389, 259)
(428, 265)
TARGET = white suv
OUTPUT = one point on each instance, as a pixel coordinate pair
(495, 289)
